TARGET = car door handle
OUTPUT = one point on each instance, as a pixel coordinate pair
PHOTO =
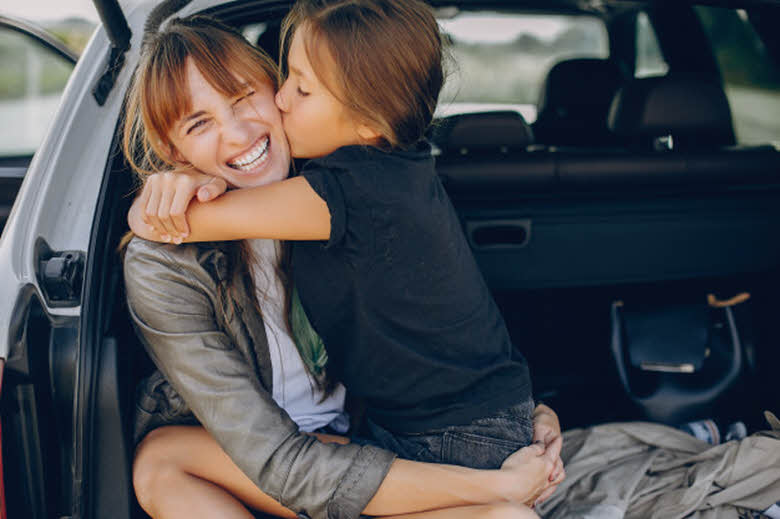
(499, 234)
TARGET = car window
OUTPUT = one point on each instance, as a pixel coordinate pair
(500, 60)
(649, 61)
(32, 78)
(751, 78)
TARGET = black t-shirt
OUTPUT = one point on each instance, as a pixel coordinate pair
(396, 295)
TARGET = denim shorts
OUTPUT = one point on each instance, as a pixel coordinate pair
(482, 444)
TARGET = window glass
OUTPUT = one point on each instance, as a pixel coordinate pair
(32, 78)
(500, 60)
(650, 61)
(750, 78)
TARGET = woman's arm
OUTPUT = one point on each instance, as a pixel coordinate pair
(171, 299)
(413, 486)
(286, 210)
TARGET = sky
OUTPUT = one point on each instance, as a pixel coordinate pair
(496, 29)
(44, 10)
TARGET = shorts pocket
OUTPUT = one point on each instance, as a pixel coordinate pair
(476, 450)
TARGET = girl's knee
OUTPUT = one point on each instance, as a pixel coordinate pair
(510, 511)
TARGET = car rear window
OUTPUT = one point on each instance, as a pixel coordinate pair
(751, 78)
(500, 60)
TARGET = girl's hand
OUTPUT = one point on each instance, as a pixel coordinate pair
(164, 200)
(530, 469)
(547, 432)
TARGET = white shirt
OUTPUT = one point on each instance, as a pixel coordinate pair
(294, 389)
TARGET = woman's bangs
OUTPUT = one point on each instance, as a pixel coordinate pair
(166, 94)
(220, 64)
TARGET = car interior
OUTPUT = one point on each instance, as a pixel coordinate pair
(627, 234)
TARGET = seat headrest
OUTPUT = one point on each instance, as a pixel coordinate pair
(497, 132)
(580, 85)
(695, 113)
(575, 100)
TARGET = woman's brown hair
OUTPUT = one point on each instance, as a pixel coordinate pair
(388, 54)
(156, 101)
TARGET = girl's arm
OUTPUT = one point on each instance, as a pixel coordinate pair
(286, 210)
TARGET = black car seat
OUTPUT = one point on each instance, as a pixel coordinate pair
(678, 113)
(498, 132)
(575, 101)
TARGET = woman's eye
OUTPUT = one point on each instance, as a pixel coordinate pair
(198, 124)
(245, 96)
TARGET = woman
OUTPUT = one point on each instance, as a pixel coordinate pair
(212, 319)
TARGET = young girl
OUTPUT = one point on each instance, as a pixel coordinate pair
(379, 259)
(203, 97)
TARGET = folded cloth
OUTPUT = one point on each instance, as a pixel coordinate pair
(651, 471)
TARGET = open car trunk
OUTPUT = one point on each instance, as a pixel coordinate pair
(577, 243)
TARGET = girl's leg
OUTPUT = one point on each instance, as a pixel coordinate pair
(181, 471)
(496, 511)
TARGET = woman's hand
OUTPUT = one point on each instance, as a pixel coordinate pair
(547, 432)
(158, 214)
(530, 469)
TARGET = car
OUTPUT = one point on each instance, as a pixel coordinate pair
(36, 67)
(616, 168)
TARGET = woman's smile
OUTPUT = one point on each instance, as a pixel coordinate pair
(240, 138)
(253, 159)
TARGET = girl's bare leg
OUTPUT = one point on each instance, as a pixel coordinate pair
(495, 511)
(182, 471)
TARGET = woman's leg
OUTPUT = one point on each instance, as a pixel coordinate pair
(181, 471)
(496, 511)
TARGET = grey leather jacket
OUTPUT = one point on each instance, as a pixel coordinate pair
(213, 352)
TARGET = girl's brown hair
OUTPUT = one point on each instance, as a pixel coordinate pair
(388, 54)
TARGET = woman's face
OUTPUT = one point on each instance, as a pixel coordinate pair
(239, 139)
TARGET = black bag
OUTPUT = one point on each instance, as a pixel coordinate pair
(675, 360)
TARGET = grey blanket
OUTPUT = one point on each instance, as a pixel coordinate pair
(651, 471)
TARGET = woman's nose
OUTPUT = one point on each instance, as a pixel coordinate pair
(236, 131)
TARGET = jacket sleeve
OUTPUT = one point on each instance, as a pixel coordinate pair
(172, 307)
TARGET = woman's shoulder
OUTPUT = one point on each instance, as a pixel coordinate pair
(151, 261)
(140, 250)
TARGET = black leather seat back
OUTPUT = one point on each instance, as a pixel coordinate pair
(575, 102)
(696, 114)
(481, 133)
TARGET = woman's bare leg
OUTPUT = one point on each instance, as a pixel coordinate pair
(496, 511)
(181, 471)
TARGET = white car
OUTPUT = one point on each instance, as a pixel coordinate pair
(644, 176)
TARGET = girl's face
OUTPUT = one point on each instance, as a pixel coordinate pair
(239, 139)
(315, 121)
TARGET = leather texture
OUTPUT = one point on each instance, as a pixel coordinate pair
(695, 113)
(482, 132)
(575, 101)
(213, 351)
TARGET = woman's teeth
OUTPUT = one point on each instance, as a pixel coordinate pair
(251, 160)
